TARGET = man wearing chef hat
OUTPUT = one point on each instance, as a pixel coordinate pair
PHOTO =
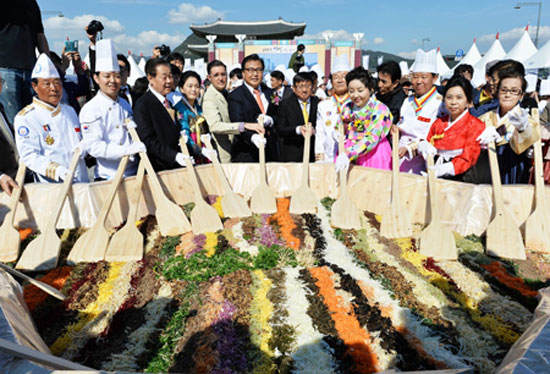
(106, 117)
(47, 131)
(419, 111)
(328, 112)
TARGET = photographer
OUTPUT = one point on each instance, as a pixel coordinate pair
(93, 28)
(161, 51)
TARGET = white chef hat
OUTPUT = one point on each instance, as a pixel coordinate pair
(303, 69)
(425, 62)
(531, 82)
(545, 87)
(341, 63)
(106, 59)
(44, 68)
(289, 75)
(317, 69)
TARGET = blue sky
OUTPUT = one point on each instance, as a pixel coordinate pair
(392, 26)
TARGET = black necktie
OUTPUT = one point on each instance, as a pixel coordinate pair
(123, 94)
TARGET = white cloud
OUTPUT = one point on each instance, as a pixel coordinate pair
(408, 55)
(378, 40)
(336, 35)
(189, 13)
(58, 28)
(145, 41)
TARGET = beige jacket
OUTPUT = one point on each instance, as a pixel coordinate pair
(216, 112)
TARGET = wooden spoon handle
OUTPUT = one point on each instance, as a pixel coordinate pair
(219, 170)
(43, 286)
(432, 186)
(191, 172)
(16, 193)
(113, 190)
(134, 202)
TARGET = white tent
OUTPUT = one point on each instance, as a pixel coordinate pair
(523, 49)
(141, 63)
(541, 59)
(472, 57)
(442, 68)
(135, 71)
(495, 52)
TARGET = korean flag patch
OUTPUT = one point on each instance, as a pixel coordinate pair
(23, 131)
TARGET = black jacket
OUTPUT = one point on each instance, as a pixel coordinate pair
(394, 101)
(8, 163)
(289, 116)
(158, 130)
(244, 108)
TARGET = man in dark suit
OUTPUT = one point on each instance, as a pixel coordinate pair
(246, 104)
(277, 85)
(8, 158)
(156, 120)
(125, 90)
(294, 113)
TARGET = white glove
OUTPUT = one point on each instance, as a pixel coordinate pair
(61, 173)
(135, 147)
(210, 154)
(257, 140)
(489, 135)
(205, 138)
(268, 121)
(342, 162)
(426, 149)
(83, 145)
(444, 169)
(130, 124)
(336, 135)
(519, 119)
(180, 159)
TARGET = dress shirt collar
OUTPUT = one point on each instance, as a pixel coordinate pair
(160, 97)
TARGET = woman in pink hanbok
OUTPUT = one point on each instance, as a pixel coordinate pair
(367, 123)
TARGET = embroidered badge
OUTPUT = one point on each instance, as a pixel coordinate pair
(424, 119)
(49, 140)
(328, 123)
(85, 127)
(23, 131)
(47, 127)
(77, 129)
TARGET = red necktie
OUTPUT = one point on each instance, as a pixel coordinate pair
(259, 100)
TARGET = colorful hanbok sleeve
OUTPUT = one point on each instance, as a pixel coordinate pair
(369, 127)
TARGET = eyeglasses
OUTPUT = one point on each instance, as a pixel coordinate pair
(251, 70)
(513, 91)
(304, 86)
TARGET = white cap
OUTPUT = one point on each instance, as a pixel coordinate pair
(106, 59)
(341, 63)
(303, 69)
(425, 62)
(289, 75)
(531, 82)
(44, 68)
(545, 87)
(280, 68)
(404, 68)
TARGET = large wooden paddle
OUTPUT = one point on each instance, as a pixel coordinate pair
(503, 233)
(396, 221)
(345, 213)
(43, 252)
(233, 205)
(26, 353)
(91, 246)
(170, 217)
(303, 200)
(204, 218)
(262, 200)
(436, 240)
(537, 226)
(127, 243)
(43, 286)
(11, 240)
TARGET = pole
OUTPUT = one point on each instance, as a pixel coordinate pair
(538, 25)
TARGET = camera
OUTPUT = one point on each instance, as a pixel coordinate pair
(164, 50)
(71, 46)
(94, 27)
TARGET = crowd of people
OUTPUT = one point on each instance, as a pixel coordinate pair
(45, 116)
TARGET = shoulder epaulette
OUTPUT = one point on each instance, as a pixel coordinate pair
(26, 110)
